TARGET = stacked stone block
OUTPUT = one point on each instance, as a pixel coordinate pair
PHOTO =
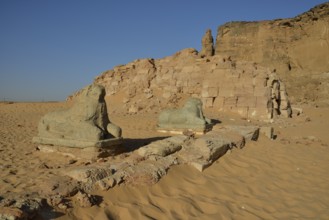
(241, 87)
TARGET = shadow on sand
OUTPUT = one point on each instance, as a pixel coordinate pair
(134, 144)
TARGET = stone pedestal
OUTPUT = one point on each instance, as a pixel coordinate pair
(83, 131)
(80, 149)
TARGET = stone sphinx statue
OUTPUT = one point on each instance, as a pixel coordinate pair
(85, 124)
(189, 117)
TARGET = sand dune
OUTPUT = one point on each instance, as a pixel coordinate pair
(262, 181)
(286, 178)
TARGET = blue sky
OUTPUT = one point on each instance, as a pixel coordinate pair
(51, 48)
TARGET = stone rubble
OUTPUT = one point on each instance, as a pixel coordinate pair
(149, 163)
(20, 209)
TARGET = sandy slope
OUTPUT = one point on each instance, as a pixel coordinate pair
(282, 179)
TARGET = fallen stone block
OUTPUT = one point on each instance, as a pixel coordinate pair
(202, 152)
(89, 174)
(148, 172)
(84, 199)
(267, 131)
(163, 147)
(235, 139)
(21, 209)
(248, 132)
(296, 111)
(8, 213)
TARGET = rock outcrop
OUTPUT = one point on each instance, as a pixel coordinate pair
(207, 45)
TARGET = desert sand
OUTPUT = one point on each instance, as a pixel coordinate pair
(285, 178)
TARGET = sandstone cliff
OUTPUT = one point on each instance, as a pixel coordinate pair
(298, 48)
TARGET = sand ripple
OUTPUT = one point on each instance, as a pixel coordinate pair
(282, 179)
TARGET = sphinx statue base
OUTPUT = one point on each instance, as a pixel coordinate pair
(198, 130)
(80, 149)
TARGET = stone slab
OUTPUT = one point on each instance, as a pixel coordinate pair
(89, 153)
(78, 143)
(268, 131)
(181, 129)
(163, 147)
(202, 152)
(248, 132)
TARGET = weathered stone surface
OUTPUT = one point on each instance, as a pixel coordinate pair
(248, 132)
(89, 174)
(81, 144)
(296, 111)
(9, 213)
(84, 125)
(222, 83)
(294, 47)
(148, 172)
(207, 44)
(144, 172)
(163, 147)
(102, 149)
(203, 151)
(189, 117)
(20, 209)
(84, 199)
(268, 131)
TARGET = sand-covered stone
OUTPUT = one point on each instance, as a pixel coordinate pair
(84, 125)
(163, 147)
(189, 117)
(268, 131)
(203, 151)
(23, 208)
(248, 132)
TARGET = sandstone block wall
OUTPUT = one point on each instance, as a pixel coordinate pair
(296, 48)
(241, 87)
(242, 76)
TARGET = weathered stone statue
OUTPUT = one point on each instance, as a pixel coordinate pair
(190, 117)
(207, 44)
(85, 124)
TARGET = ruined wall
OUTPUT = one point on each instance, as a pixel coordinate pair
(294, 47)
(242, 87)
(244, 76)
(300, 43)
